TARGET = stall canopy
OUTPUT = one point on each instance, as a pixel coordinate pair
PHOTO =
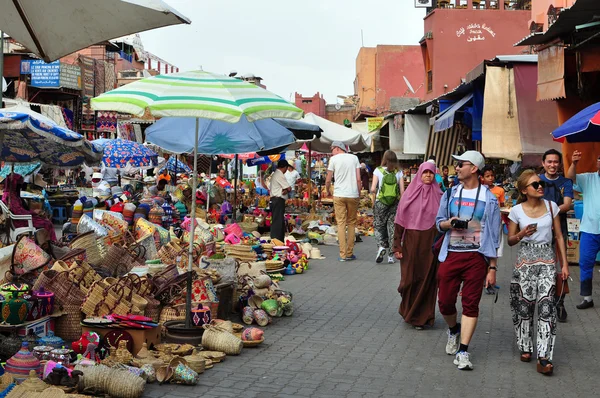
(355, 140)
(515, 125)
(416, 133)
(445, 120)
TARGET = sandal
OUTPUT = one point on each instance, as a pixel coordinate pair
(525, 356)
(544, 366)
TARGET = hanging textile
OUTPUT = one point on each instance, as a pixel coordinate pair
(137, 129)
(125, 131)
(68, 117)
(55, 113)
(87, 72)
(98, 77)
(106, 122)
(110, 77)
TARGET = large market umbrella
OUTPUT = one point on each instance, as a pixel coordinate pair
(119, 154)
(201, 95)
(27, 136)
(583, 127)
(176, 166)
(53, 29)
(216, 137)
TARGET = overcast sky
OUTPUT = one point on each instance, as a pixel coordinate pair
(302, 47)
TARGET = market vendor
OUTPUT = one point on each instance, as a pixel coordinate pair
(292, 176)
(222, 180)
(164, 175)
(12, 198)
(279, 190)
(260, 184)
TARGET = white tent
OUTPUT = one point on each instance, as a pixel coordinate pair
(355, 140)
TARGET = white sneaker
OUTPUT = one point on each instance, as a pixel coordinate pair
(380, 254)
(391, 260)
(463, 361)
(453, 343)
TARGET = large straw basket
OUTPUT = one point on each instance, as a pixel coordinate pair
(217, 338)
(88, 242)
(249, 227)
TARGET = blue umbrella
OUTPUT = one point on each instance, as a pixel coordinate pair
(120, 153)
(583, 127)
(27, 136)
(217, 137)
(176, 166)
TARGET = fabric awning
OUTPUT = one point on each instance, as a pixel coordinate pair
(416, 134)
(537, 119)
(551, 73)
(500, 126)
(445, 120)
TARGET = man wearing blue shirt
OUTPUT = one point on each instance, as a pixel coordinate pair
(589, 242)
(559, 190)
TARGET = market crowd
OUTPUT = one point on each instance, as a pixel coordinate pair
(448, 235)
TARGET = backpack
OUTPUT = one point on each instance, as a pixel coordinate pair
(389, 192)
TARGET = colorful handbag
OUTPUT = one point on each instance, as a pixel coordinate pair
(27, 256)
(118, 224)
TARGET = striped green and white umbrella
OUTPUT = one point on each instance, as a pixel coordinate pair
(196, 94)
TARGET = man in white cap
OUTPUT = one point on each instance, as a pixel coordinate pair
(344, 168)
(468, 255)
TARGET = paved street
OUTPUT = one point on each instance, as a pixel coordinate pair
(346, 339)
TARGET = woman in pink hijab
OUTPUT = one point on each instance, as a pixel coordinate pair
(413, 237)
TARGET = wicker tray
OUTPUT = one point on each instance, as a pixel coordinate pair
(253, 343)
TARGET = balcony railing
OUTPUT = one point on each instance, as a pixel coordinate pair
(484, 4)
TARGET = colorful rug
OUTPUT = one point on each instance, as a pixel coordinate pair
(98, 77)
(87, 73)
(106, 122)
(110, 76)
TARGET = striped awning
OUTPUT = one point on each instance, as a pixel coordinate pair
(446, 143)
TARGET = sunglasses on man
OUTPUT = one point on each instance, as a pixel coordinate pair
(461, 163)
(537, 184)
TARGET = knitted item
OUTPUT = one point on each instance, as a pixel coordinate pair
(21, 363)
(128, 212)
(88, 208)
(156, 215)
(118, 207)
(181, 209)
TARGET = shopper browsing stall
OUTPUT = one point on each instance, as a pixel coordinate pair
(279, 191)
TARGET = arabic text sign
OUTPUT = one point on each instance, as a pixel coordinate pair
(70, 76)
(476, 32)
(45, 75)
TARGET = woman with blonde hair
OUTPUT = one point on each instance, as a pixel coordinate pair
(387, 186)
(534, 223)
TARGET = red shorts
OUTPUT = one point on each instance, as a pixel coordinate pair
(468, 268)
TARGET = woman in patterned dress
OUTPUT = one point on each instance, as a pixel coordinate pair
(534, 223)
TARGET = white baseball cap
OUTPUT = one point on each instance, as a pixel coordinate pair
(473, 157)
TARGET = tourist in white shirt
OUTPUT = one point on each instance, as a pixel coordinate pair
(345, 169)
(292, 176)
(279, 191)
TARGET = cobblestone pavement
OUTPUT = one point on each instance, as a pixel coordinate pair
(346, 339)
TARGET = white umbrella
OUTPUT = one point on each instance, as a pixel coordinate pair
(53, 29)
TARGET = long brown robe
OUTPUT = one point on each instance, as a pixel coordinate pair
(418, 270)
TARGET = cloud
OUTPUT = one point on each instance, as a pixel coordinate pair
(300, 47)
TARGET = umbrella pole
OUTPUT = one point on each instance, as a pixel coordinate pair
(188, 298)
(235, 182)
(1, 64)
(309, 165)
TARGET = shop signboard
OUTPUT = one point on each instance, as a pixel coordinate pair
(423, 3)
(45, 75)
(374, 123)
(70, 76)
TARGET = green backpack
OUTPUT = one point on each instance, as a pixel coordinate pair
(389, 192)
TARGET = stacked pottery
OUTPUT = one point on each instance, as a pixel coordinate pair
(20, 364)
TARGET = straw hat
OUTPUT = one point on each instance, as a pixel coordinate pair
(315, 254)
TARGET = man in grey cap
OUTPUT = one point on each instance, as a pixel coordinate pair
(469, 216)
(345, 169)
(279, 193)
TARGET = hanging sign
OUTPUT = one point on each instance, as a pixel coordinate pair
(374, 123)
